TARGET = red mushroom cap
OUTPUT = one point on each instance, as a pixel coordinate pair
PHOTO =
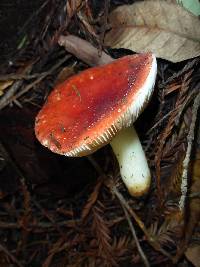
(86, 111)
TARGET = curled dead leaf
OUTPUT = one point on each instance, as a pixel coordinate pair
(166, 29)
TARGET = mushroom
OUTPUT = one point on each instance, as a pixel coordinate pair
(98, 106)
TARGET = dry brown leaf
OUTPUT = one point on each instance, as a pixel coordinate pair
(166, 29)
(193, 254)
(4, 85)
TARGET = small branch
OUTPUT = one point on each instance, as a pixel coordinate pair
(30, 86)
(35, 14)
(167, 132)
(34, 227)
(104, 24)
(11, 256)
(92, 199)
(5, 99)
(84, 50)
(10, 95)
(142, 255)
(189, 66)
(185, 103)
(150, 239)
(20, 76)
(186, 161)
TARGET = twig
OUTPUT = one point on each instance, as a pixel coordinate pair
(35, 14)
(47, 226)
(84, 50)
(142, 255)
(194, 195)
(167, 132)
(186, 161)
(10, 95)
(92, 199)
(150, 239)
(5, 99)
(188, 99)
(104, 24)
(95, 193)
(43, 225)
(48, 216)
(30, 86)
(11, 256)
(186, 68)
(13, 76)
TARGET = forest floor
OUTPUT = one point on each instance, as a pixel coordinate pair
(60, 211)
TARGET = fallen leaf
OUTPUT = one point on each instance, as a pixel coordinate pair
(193, 6)
(166, 29)
(4, 85)
(193, 254)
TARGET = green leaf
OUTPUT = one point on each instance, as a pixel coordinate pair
(192, 5)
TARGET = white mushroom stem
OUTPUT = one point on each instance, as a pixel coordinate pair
(132, 161)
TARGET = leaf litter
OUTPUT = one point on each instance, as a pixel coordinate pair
(166, 29)
(67, 212)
